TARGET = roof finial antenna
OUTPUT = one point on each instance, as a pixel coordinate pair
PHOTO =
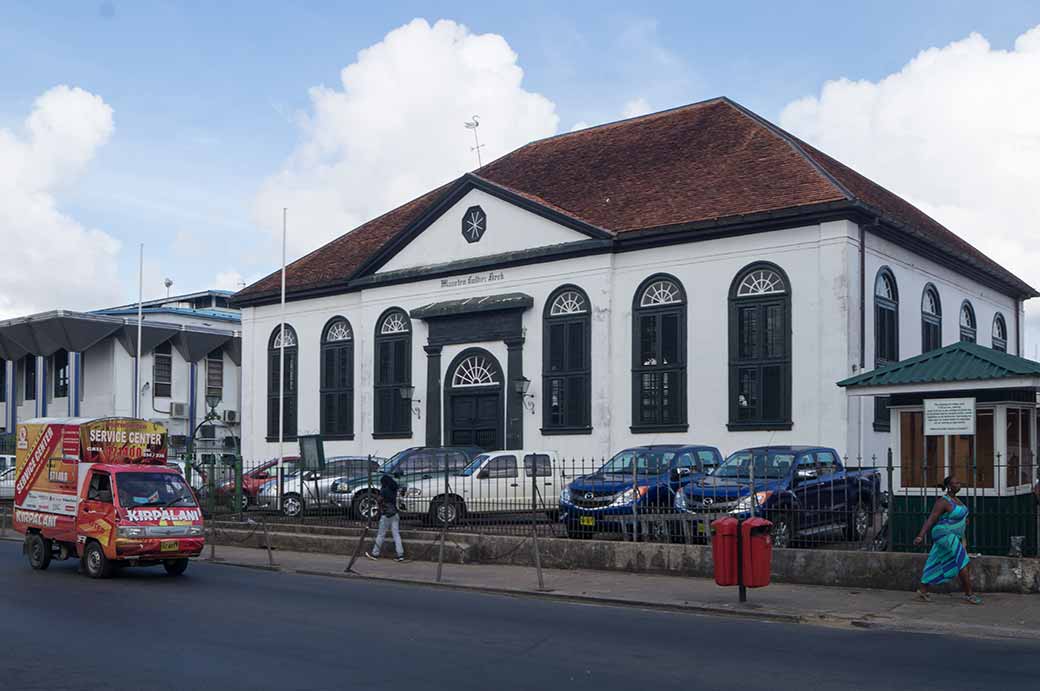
(473, 125)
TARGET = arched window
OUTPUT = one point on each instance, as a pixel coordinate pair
(968, 330)
(566, 362)
(659, 356)
(337, 380)
(274, 379)
(393, 346)
(931, 320)
(760, 349)
(886, 336)
(999, 333)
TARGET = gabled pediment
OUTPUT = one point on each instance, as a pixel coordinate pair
(479, 219)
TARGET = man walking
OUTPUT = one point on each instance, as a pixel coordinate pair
(388, 518)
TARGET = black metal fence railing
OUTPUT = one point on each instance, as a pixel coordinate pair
(862, 504)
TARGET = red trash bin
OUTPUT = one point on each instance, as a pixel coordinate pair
(724, 550)
(757, 547)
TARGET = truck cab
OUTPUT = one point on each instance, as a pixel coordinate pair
(805, 491)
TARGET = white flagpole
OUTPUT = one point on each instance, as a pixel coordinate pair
(140, 312)
(281, 374)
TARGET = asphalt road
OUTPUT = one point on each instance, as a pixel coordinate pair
(220, 627)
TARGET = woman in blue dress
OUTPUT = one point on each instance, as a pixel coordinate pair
(948, 559)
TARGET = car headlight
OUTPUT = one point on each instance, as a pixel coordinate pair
(413, 492)
(680, 501)
(629, 496)
(130, 531)
(338, 487)
(744, 505)
(565, 495)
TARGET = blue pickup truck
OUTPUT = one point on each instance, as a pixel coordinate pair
(640, 480)
(804, 490)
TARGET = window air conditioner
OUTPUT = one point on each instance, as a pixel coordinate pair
(178, 441)
(207, 432)
(179, 411)
(231, 417)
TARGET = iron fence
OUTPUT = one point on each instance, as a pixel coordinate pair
(862, 504)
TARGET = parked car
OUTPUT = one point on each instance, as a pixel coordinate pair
(7, 484)
(500, 482)
(6, 461)
(255, 478)
(357, 494)
(640, 480)
(198, 475)
(316, 484)
(804, 490)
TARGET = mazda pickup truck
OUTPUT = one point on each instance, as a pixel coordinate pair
(806, 492)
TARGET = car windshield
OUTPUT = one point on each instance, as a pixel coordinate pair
(152, 489)
(475, 464)
(645, 461)
(389, 466)
(767, 465)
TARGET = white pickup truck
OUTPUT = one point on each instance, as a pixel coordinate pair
(498, 482)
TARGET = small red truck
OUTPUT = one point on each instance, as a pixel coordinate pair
(99, 489)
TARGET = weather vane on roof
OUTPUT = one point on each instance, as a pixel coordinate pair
(473, 125)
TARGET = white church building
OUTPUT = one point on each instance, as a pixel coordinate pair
(696, 275)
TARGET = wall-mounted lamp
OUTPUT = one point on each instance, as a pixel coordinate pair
(406, 393)
(521, 386)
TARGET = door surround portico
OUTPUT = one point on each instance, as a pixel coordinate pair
(475, 320)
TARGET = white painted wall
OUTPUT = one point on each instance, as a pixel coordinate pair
(821, 262)
(509, 229)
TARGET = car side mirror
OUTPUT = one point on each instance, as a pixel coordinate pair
(680, 473)
(484, 474)
(806, 474)
(262, 476)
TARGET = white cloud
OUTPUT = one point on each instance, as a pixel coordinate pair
(228, 280)
(392, 129)
(956, 132)
(50, 259)
(635, 107)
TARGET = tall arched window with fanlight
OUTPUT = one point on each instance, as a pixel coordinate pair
(931, 319)
(659, 356)
(886, 336)
(760, 349)
(393, 346)
(274, 381)
(337, 380)
(566, 362)
(968, 326)
(999, 333)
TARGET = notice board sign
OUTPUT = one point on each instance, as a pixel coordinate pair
(949, 416)
(312, 451)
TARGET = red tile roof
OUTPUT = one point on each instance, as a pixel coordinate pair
(707, 161)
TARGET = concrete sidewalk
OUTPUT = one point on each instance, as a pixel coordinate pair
(1001, 616)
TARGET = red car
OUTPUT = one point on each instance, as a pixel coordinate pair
(254, 479)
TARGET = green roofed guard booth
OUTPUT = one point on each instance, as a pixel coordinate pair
(971, 412)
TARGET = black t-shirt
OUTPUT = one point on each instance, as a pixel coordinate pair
(388, 493)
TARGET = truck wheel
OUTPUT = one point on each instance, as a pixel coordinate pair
(38, 550)
(366, 506)
(95, 562)
(292, 505)
(445, 510)
(175, 567)
(783, 531)
(859, 523)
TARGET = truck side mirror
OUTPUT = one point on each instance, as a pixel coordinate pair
(484, 474)
(806, 474)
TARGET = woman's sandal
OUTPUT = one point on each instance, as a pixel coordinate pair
(971, 599)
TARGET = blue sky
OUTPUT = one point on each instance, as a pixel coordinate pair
(206, 97)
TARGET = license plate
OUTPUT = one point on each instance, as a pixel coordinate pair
(587, 521)
(169, 546)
